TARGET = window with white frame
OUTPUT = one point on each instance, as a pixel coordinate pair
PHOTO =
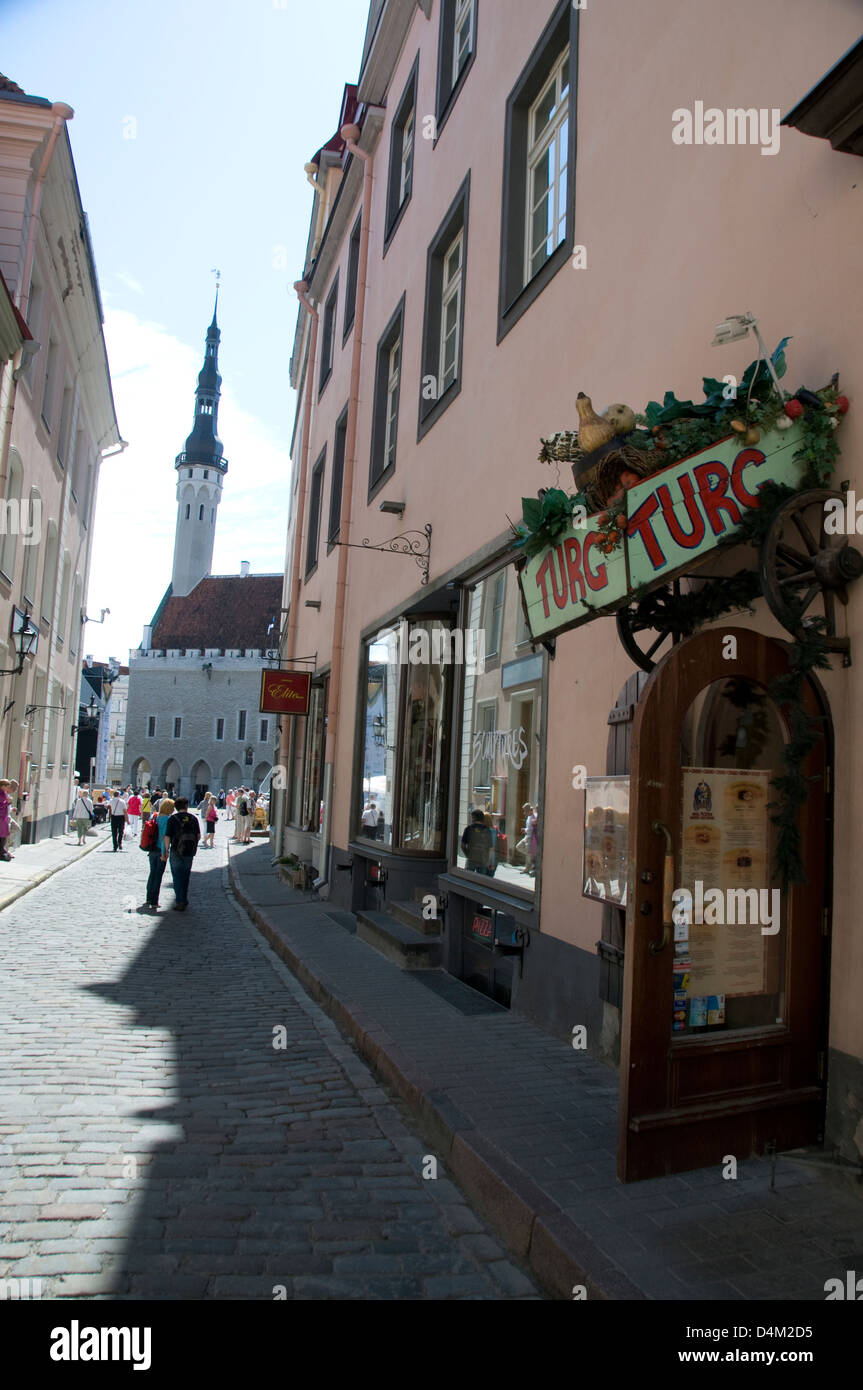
(456, 50)
(385, 405)
(407, 159)
(451, 312)
(401, 157)
(463, 37)
(392, 406)
(548, 172)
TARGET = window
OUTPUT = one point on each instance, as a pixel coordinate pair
(200, 513)
(31, 549)
(75, 620)
(11, 505)
(499, 814)
(402, 780)
(48, 389)
(188, 510)
(65, 583)
(220, 730)
(49, 574)
(241, 724)
(538, 216)
(178, 725)
(385, 410)
(353, 275)
(313, 769)
(444, 313)
(78, 471)
(34, 317)
(151, 726)
(315, 514)
(328, 335)
(338, 474)
(212, 516)
(401, 157)
(265, 731)
(456, 48)
(65, 423)
(206, 472)
(189, 473)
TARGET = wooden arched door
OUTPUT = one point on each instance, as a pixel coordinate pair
(724, 1019)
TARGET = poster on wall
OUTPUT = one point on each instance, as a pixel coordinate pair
(606, 839)
(725, 846)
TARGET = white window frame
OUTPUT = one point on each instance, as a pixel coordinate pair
(536, 152)
(406, 163)
(464, 10)
(451, 290)
(391, 421)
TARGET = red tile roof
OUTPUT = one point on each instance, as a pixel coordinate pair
(7, 85)
(224, 611)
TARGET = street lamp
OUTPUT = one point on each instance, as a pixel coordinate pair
(25, 634)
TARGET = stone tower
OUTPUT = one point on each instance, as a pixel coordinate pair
(200, 471)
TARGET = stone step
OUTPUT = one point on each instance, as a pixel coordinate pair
(411, 915)
(409, 949)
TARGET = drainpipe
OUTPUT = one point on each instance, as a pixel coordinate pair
(350, 134)
(302, 290)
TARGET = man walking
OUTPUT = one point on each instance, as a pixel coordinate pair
(82, 814)
(182, 834)
(119, 817)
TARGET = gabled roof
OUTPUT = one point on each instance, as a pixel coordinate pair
(224, 611)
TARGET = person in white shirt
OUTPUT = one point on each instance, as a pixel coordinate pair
(82, 812)
(119, 819)
(370, 820)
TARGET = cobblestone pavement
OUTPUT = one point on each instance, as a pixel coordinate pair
(154, 1143)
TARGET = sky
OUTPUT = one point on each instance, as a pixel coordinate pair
(193, 120)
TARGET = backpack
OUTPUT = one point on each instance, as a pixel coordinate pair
(150, 834)
(242, 807)
(186, 843)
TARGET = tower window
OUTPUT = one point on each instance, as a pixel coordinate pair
(213, 515)
(200, 513)
(178, 724)
(220, 729)
(241, 723)
(206, 472)
(265, 725)
(188, 510)
(151, 726)
(189, 473)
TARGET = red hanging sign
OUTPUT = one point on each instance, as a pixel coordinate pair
(285, 692)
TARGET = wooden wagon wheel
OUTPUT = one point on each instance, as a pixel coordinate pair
(804, 569)
(646, 639)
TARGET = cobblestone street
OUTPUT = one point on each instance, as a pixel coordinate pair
(155, 1144)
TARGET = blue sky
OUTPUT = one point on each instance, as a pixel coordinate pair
(224, 101)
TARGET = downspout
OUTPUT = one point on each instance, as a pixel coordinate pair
(350, 134)
(302, 290)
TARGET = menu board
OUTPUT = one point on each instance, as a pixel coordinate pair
(725, 846)
(606, 839)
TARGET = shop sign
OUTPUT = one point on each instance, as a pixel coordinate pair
(481, 929)
(285, 692)
(675, 519)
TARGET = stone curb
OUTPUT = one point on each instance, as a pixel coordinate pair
(48, 873)
(534, 1227)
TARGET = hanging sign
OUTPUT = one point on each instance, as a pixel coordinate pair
(285, 692)
(675, 519)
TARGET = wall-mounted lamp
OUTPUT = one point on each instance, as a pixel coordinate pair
(395, 508)
(25, 635)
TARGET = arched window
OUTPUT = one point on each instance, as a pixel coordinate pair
(31, 548)
(11, 516)
(49, 574)
(200, 513)
(188, 510)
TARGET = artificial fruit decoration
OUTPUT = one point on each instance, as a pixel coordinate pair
(752, 435)
(793, 409)
(739, 426)
(593, 431)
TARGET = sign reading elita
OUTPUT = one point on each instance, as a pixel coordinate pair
(675, 518)
(285, 692)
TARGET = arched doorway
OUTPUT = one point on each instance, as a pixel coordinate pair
(141, 773)
(201, 778)
(169, 777)
(724, 1000)
(232, 776)
(262, 771)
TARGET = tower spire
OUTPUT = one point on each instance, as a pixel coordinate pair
(201, 467)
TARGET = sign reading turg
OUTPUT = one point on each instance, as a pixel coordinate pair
(675, 518)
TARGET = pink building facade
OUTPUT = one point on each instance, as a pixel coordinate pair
(514, 210)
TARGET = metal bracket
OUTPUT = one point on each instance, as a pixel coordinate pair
(417, 544)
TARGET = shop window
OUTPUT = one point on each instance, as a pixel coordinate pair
(499, 829)
(403, 777)
(538, 216)
(401, 166)
(312, 813)
(353, 278)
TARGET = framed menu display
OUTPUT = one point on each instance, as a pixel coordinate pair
(606, 839)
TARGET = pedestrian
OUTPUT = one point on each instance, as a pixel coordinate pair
(211, 816)
(182, 834)
(477, 842)
(146, 804)
(370, 820)
(221, 798)
(134, 805)
(157, 863)
(244, 819)
(230, 802)
(82, 814)
(119, 820)
(5, 805)
(501, 849)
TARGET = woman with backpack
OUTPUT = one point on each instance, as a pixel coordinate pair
(153, 841)
(209, 816)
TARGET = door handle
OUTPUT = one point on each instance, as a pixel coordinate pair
(667, 888)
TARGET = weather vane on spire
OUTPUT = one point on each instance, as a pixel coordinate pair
(218, 275)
